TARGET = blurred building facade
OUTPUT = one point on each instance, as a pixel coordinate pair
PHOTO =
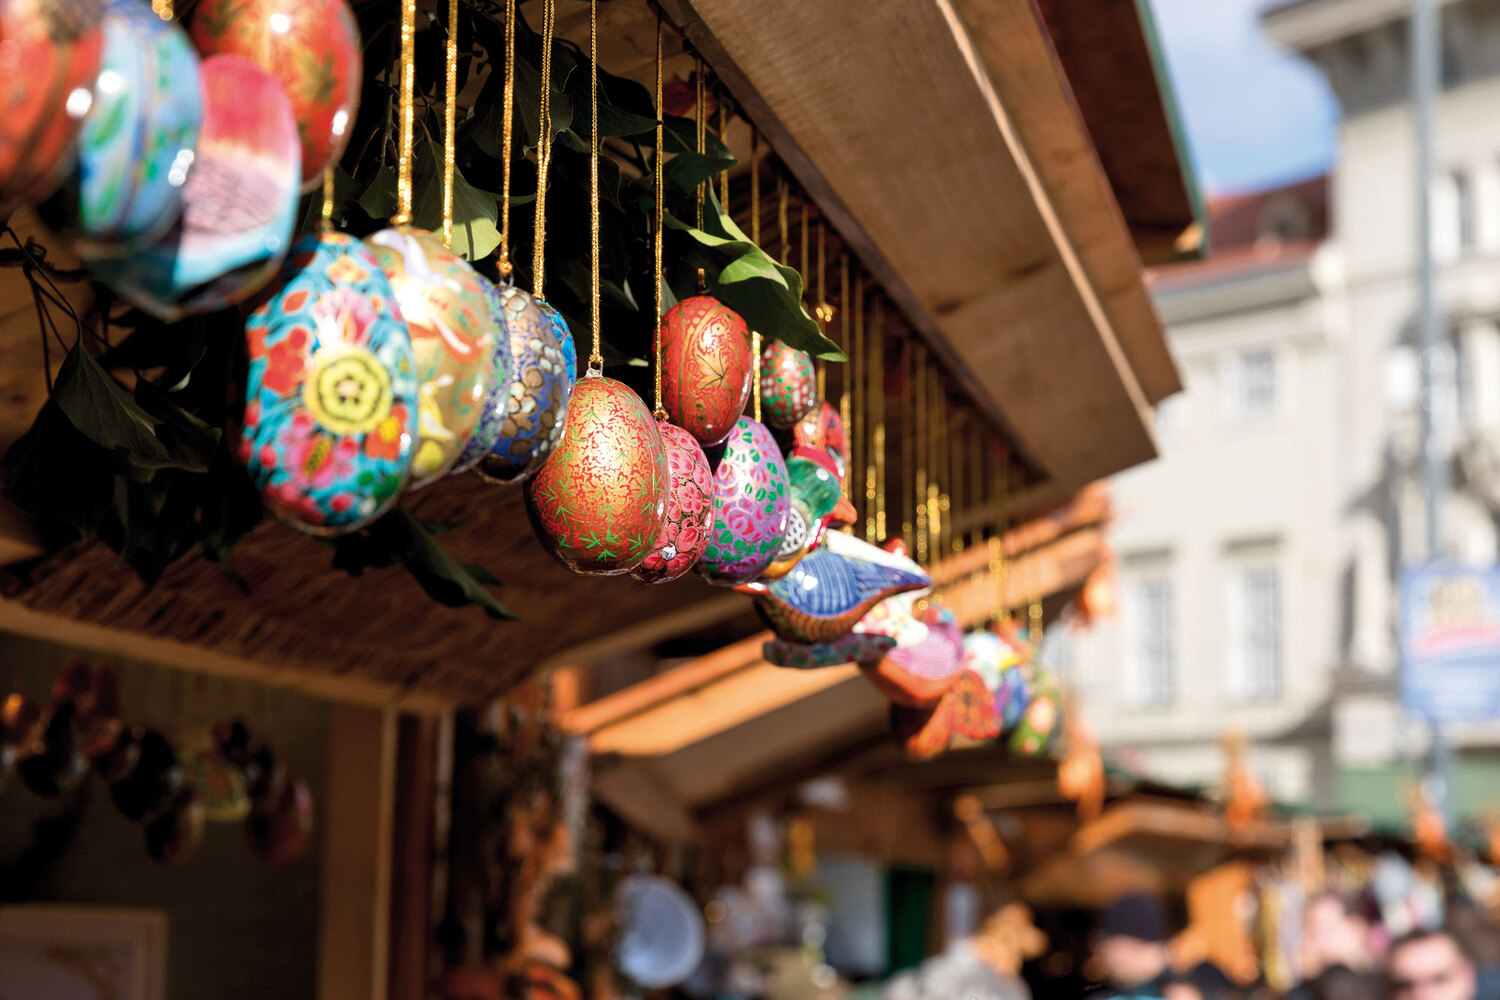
(1258, 557)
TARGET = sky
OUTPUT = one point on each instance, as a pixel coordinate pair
(1256, 115)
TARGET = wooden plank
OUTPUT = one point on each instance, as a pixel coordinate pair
(416, 791)
(341, 688)
(1174, 821)
(641, 799)
(358, 833)
(953, 218)
(694, 716)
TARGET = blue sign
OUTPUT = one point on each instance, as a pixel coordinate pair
(1450, 642)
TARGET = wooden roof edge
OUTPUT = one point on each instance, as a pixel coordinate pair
(1175, 819)
(1088, 507)
(19, 619)
(679, 680)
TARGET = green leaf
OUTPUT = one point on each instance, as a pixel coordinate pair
(104, 413)
(72, 493)
(399, 537)
(767, 294)
(476, 215)
(184, 434)
(379, 199)
(685, 171)
(528, 96)
(681, 136)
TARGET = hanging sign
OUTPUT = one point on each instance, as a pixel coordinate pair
(1450, 642)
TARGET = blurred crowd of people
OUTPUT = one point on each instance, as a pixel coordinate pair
(1344, 955)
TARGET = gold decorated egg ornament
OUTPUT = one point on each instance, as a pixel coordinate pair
(706, 367)
(600, 499)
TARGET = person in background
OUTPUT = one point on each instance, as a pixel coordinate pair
(1429, 965)
(1132, 947)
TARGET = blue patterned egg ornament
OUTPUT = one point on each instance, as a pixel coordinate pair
(138, 140)
(1012, 695)
(239, 204)
(544, 366)
(330, 415)
(496, 404)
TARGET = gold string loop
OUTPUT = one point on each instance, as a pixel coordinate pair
(596, 358)
(325, 217)
(450, 120)
(755, 339)
(656, 225)
(543, 154)
(407, 112)
(701, 125)
(507, 116)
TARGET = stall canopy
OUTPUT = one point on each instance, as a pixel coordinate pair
(1003, 193)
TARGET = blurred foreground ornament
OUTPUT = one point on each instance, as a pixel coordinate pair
(47, 86)
(1080, 774)
(239, 203)
(139, 138)
(311, 48)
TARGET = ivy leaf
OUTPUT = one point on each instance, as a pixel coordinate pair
(680, 135)
(379, 198)
(613, 120)
(105, 414)
(399, 537)
(73, 492)
(185, 435)
(476, 215)
(767, 294)
(685, 171)
(528, 95)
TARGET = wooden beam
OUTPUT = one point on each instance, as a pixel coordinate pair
(22, 620)
(358, 829)
(630, 789)
(697, 715)
(1175, 821)
(956, 218)
(642, 635)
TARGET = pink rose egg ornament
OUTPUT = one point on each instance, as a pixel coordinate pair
(690, 509)
(752, 503)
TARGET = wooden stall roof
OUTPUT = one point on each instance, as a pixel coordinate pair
(945, 143)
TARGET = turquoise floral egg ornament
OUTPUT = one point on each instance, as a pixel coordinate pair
(752, 502)
(138, 139)
(544, 365)
(330, 416)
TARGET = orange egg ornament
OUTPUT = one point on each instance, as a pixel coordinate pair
(600, 499)
(312, 49)
(706, 367)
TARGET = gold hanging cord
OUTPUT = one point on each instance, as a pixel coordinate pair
(782, 196)
(450, 120)
(656, 234)
(755, 342)
(845, 414)
(909, 445)
(163, 9)
(325, 216)
(1000, 486)
(596, 359)
(543, 153)
(507, 118)
(875, 530)
(405, 101)
(701, 121)
(821, 309)
(919, 434)
(859, 459)
(723, 138)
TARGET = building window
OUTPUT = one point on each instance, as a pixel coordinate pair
(1254, 384)
(1150, 653)
(1255, 633)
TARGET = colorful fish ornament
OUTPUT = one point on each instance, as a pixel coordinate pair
(964, 716)
(139, 138)
(832, 588)
(918, 674)
(330, 418)
(851, 648)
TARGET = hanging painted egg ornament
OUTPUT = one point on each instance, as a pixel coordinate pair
(52, 51)
(330, 419)
(705, 367)
(239, 204)
(496, 405)
(452, 339)
(600, 500)
(751, 505)
(788, 384)
(139, 139)
(823, 428)
(690, 509)
(544, 363)
(312, 48)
